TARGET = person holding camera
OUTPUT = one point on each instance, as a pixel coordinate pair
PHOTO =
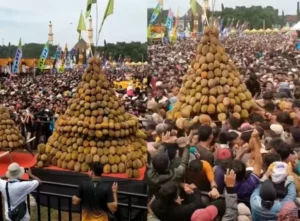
(15, 192)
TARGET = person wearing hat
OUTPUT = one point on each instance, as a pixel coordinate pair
(17, 191)
(264, 200)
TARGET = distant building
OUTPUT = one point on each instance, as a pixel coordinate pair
(291, 19)
(50, 34)
(90, 32)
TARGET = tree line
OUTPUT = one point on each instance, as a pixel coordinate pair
(137, 51)
(255, 16)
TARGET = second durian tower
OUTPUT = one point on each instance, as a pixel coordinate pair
(95, 128)
(212, 85)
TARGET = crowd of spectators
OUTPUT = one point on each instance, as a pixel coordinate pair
(239, 169)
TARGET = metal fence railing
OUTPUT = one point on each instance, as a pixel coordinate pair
(50, 196)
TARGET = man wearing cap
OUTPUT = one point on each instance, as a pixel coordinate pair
(17, 190)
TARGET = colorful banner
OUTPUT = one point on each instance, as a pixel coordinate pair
(155, 14)
(57, 53)
(43, 56)
(169, 23)
(18, 57)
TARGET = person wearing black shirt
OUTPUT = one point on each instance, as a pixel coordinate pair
(98, 199)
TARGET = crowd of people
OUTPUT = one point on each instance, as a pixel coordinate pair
(235, 170)
(239, 169)
(35, 102)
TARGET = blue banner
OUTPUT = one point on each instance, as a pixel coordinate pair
(155, 14)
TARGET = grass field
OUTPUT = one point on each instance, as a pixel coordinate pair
(54, 215)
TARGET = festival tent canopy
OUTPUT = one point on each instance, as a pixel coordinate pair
(247, 31)
(268, 30)
(261, 31)
(296, 27)
(275, 30)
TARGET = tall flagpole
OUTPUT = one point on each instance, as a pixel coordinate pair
(96, 23)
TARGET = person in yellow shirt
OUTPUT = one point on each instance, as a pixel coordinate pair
(99, 199)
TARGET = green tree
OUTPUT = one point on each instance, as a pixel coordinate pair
(254, 15)
(136, 50)
(222, 7)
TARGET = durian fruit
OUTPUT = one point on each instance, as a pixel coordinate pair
(95, 128)
(212, 85)
(10, 137)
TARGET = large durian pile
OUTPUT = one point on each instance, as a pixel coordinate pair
(95, 128)
(212, 85)
(10, 137)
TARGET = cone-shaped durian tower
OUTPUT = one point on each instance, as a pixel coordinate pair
(95, 128)
(212, 85)
(10, 137)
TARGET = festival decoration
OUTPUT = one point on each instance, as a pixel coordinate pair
(43, 56)
(18, 57)
(95, 128)
(81, 25)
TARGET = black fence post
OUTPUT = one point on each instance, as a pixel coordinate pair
(49, 207)
(129, 208)
(59, 208)
(70, 209)
(28, 204)
(1, 211)
(38, 205)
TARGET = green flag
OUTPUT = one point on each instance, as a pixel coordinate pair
(109, 10)
(81, 25)
(89, 7)
(193, 4)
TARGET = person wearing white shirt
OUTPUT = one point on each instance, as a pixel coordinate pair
(17, 190)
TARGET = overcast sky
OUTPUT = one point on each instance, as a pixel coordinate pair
(288, 6)
(29, 19)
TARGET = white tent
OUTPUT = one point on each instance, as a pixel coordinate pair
(296, 27)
